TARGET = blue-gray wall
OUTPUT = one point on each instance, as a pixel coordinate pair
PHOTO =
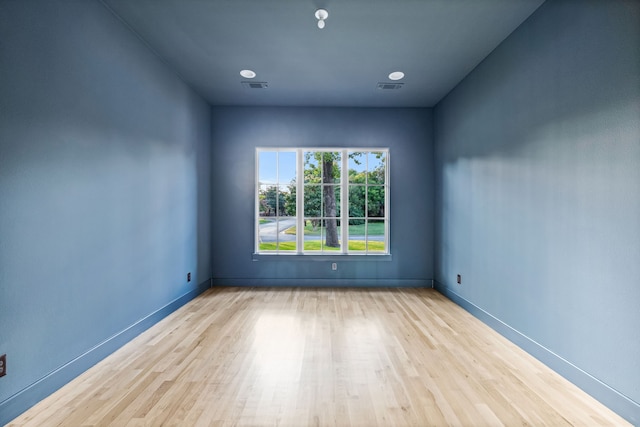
(538, 193)
(104, 192)
(408, 133)
(106, 199)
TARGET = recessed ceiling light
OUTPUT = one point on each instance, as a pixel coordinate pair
(248, 74)
(396, 75)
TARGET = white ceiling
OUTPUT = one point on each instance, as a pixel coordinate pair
(436, 43)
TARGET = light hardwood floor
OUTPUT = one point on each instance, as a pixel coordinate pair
(319, 357)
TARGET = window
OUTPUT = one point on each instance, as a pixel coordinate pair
(322, 201)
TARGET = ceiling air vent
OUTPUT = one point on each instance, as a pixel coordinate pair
(389, 86)
(255, 85)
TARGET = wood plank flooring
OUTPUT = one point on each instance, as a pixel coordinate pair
(319, 357)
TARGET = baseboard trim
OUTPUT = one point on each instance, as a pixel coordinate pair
(614, 400)
(34, 393)
(325, 283)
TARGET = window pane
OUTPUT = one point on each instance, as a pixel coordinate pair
(268, 199)
(280, 202)
(331, 200)
(266, 234)
(375, 236)
(267, 161)
(287, 200)
(331, 235)
(312, 234)
(356, 201)
(357, 167)
(312, 169)
(287, 234)
(357, 235)
(286, 167)
(331, 167)
(287, 246)
(375, 201)
(312, 200)
(376, 167)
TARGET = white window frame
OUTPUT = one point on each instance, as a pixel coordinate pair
(344, 203)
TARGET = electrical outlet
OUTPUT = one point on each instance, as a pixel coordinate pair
(3, 365)
(188, 277)
(334, 266)
(459, 279)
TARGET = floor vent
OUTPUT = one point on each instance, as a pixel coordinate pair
(389, 86)
(255, 85)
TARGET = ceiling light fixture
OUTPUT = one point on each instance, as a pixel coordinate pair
(248, 74)
(321, 16)
(396, 75)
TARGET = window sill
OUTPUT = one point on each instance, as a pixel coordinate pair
(318, 257)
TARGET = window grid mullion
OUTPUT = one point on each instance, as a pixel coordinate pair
(277, 201)
(299, 201)
(256, 238)
(344, 202)
(386, 201)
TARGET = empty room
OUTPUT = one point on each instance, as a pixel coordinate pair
(319, 212)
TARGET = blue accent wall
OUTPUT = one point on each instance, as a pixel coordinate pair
(408, 133)
(104, 192)
(538, 193)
